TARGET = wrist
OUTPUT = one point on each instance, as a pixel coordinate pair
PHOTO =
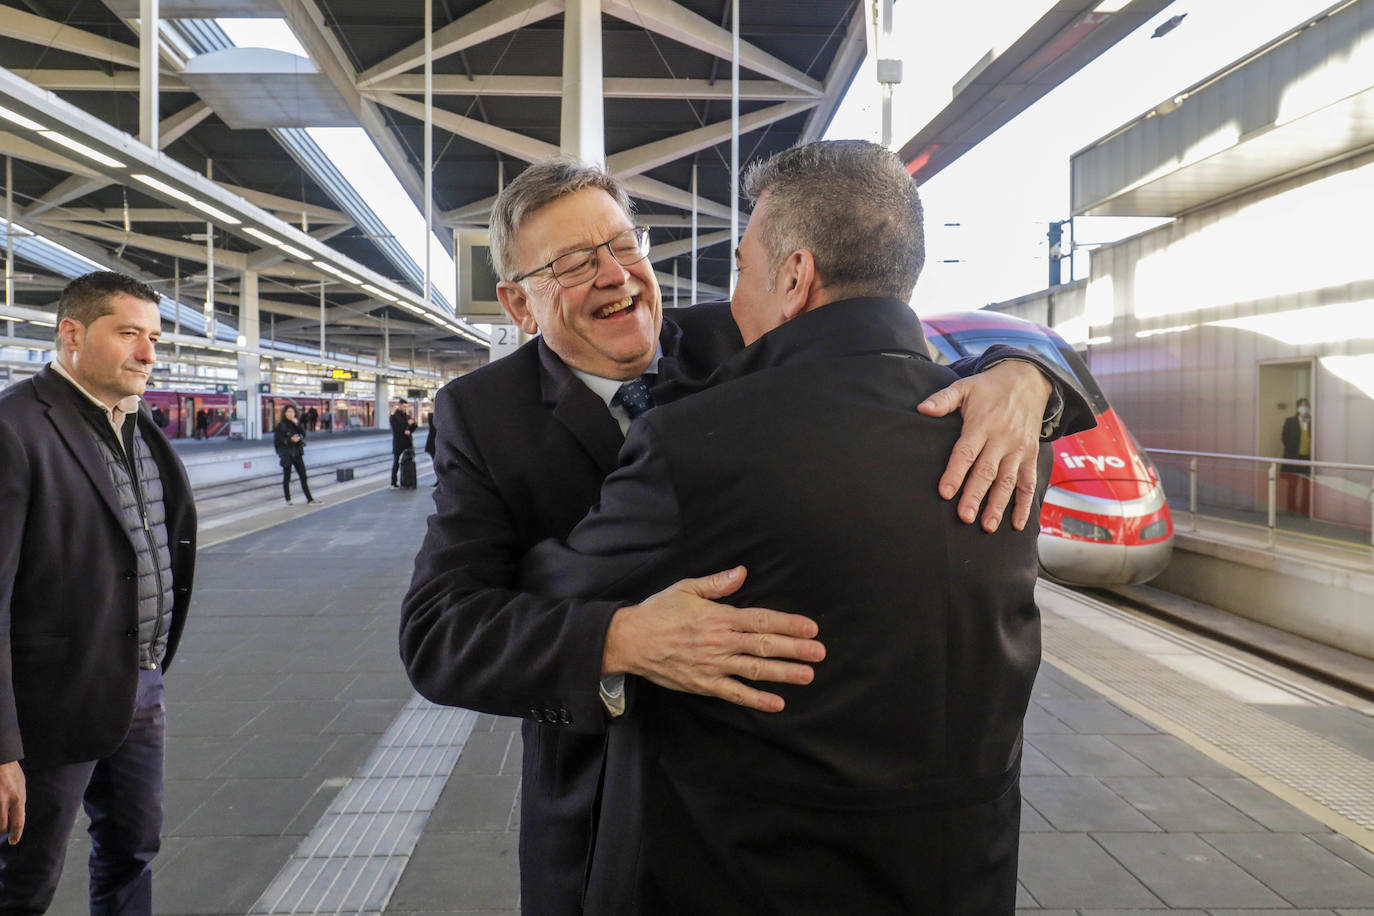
(614, 655)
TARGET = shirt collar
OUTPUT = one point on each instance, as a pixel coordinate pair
(606, 388)
(116, 414)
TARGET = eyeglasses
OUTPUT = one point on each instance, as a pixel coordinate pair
(577, 267)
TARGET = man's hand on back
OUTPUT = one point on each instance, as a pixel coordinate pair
(1004, 409)
(684, 640)
(12, 798)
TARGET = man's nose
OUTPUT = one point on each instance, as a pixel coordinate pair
(146, 351)
(609, 271)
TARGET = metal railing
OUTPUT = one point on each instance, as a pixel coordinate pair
(1329, 496)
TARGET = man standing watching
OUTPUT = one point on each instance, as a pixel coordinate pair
(402, 438)
(522, 447)
(97, 551)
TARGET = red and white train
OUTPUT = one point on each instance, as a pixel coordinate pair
(1105, 520)
(178, 409)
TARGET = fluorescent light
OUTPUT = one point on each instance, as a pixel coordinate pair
(82, 148)
(165, 188)
(330, 268)
(214, 212)
(263, 237)
(375, 291)
(16, 118)
(294, 251)
(1110, 6)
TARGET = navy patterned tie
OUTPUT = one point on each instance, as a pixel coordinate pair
(634, 397)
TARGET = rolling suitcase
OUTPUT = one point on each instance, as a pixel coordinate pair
(408, 480)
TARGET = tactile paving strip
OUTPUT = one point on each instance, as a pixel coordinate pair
(351, 862)
(1326, 773)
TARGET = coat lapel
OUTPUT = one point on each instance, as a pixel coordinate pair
(579, 410)
(66, 418)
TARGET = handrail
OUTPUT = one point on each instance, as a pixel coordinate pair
(1273, 480)
(1270, 458)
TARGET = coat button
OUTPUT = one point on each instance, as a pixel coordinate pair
(550, 716)
(129, 574)
(131, 632)
(536, 715)
(564, 716)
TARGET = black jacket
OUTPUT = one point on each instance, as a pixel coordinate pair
(887, 786)
(68, 577)
(281, 440)
(401, 430)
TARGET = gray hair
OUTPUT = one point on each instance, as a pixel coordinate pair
(89, 297)
(852, 205)
(539, 185)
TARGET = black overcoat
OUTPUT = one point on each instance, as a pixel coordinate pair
(69, 576)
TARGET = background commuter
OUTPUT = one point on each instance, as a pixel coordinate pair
(522, 446)
(289, 439)
(889, 785)
(402, 438)
(430, 438)
(1297, 443)
(97, 550)
(312, 417)
(202, 423)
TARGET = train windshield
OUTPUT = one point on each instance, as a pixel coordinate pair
(1055, 352)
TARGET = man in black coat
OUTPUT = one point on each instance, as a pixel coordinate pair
(889, 785)
(402, 437)
(522, 447)
(97, 551)
(1297, 443)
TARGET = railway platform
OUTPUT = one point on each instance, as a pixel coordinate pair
(1163, 772)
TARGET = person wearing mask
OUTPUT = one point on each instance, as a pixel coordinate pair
(1297, 443)
(289, 439)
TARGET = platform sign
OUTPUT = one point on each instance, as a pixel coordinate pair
(264, 387)
(331, 387)
(345, 374)
(417, 394)
(223, 388)
(505, 339)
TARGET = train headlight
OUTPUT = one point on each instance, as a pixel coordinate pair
(1081, 529)
(1155, 530)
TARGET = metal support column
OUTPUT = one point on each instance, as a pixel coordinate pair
(381, 396)
(885, 44)
(734, 134)
(9, 241)
(176, 315)
(694, 231)
(250, 371)
(582, 132)
(429, 147)
(322, 318)
(148, 73)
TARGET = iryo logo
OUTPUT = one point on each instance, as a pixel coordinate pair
(1101, 462)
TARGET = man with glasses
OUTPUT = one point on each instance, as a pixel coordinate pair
(524, 445)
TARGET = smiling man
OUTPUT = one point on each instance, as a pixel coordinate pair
(523, 447)
(97, 550)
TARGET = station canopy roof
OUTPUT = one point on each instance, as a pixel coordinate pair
(238, 134)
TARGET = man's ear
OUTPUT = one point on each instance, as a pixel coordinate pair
(516, 302)
(69, 334)
(797, 283)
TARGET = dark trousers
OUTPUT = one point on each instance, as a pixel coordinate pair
(122, 795)
(396, 461)
(298, 463)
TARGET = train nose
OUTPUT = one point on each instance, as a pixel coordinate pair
(1105, 532)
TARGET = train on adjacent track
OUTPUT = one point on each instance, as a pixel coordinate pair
(176, 411)
(1104, 520)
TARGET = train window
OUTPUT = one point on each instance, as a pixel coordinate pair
(974, 343)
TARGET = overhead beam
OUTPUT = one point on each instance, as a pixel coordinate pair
(652, 155)
(682, 25)
(488, 21)
(22, 26)
(498, 138)
(96, 81)
(283, 206)
(685, 246)
(838, 78)
(611, 87)
(659, 192)
(19, 148)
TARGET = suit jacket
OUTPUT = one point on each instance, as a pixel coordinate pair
(522, 446)
(68, 576)
(889, 785)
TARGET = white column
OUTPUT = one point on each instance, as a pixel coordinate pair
(582, 132)
(884, 47)
(321, 318)
(381, 394)
(694, 231)
(147, 73)
(734, 135)
(429, 146)
(250, 372)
